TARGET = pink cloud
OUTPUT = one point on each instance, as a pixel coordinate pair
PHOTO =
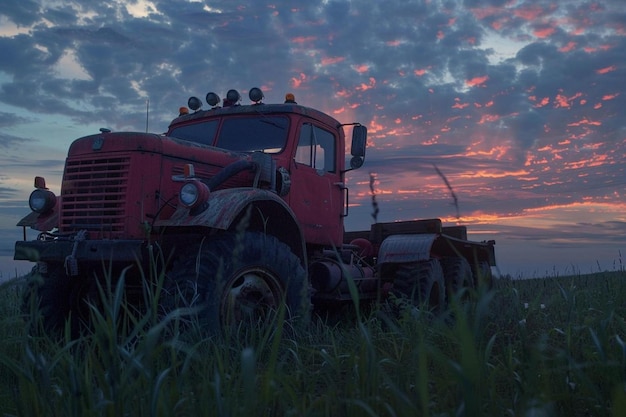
(303, 39)
(365, 87)
(568, 48)
(529, 12)
(485, 12)
(489, 118)
(544, 32)
(476, 81)
(332, 60)
(585, 122)
(459, 105)
(297, 82)
(606, 70)
(361, 68)
(609, 96)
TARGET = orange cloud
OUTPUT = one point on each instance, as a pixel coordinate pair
(569, 47)
(609, 96)
(365, 87)
(530, 12)
(485, 12)
(606, 70)
(544, 102)
(476, 81)
(487, 118)
(361, 68)
(494, 174)
(544, 32)
(585, 122)
(303, 39)
(563, 101)
(332, 60)
(297, 82)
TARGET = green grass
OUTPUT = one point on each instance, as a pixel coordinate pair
(540, 347)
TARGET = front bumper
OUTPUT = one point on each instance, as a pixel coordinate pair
(84, 251)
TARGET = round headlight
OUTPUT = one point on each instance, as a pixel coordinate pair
(193, 194)
(189, 194)
(42, 201)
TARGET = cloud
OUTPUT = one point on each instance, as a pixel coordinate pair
(520, 104)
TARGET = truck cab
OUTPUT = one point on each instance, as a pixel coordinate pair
(305, 145)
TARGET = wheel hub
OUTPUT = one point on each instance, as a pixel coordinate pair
(251, 295)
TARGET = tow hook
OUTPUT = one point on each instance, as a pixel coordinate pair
(71, 264)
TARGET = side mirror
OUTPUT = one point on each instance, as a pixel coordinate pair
(359, 143)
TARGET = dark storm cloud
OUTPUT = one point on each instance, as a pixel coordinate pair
(8, 193)
(23, 12)
(10, 119)
(9, 141)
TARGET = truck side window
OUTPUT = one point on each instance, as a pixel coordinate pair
(316, 148)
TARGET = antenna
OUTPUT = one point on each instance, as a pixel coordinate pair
(147, 113)
(454, 197)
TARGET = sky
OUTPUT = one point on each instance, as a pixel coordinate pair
(519, 104)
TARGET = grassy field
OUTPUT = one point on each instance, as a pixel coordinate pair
(540, 347)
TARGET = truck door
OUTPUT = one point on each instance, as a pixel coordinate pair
(316, 196)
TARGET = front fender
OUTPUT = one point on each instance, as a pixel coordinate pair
(230, 207)
(224, 207)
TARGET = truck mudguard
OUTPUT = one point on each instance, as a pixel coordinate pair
(262, 210)
(406, 248)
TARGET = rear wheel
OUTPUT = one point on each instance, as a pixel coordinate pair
(421, 282)
(482, 275)
(457, 273)
(237, 279)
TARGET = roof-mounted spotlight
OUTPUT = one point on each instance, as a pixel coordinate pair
(212, 99)
(194, 103)
(232, 98)
(256, 95)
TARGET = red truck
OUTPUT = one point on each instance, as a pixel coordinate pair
(239, 208)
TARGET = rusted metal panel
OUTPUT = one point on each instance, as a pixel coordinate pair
(406, 248)
(223, 208)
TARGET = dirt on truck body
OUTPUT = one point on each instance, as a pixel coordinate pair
(240, 207)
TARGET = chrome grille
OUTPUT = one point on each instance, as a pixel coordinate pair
(93, 195)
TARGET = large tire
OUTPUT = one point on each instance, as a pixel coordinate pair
(457, 274)
(421, 282)
(483, 275)
(56, 298)
(237, 278)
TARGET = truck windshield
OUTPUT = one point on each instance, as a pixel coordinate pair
(246, 134)
(242, 134)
